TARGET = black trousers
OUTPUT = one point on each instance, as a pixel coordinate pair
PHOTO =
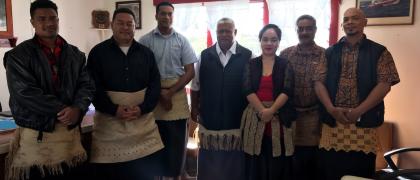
(80, 172)
(336, 164)
(267, 167)
(143, 168)
(174, 137)
(220, 165)
(306, 163)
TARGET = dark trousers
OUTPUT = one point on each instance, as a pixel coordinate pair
(144, 168)
(220, 165)
(336, 164)
(267, 167)
(305, 163)
(174, 137)
(79, 172)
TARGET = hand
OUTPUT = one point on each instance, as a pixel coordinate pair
(194, 114)
(338, 114)
(166, 99)
(353, 115)
(135, 112)
(69, 115)
(266, 115)
(124, 112)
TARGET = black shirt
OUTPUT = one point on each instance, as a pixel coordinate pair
(112, 70)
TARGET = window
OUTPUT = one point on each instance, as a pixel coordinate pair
(193, 20)
(285, 12)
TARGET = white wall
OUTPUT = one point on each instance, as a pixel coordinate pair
(22, 30)
(402, 103)
(75, 27)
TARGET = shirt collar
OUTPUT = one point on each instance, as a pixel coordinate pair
(58, 42)
(344, 41)
(157, 32)
(232, 49)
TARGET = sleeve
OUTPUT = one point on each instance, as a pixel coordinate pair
(289, 81)
(101, 101)
(85, 87)
(153, 90)
(24, 89)
(386, 70)
(195, 83)
(187, 55)
(247, 85)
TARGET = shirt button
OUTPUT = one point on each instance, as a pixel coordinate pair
(126, 68)
(126, 79)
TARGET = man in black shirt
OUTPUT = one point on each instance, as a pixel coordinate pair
(125, 137)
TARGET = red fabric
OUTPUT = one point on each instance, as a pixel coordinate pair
(335, 7)
(266, 15)
(209, 39)
(53, 57)
(265, 93)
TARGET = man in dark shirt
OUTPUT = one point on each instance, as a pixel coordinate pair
(125, 138)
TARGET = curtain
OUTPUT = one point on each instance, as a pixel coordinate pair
(198, 21)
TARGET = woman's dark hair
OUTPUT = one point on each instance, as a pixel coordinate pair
(270, 26)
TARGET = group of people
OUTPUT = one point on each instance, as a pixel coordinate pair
(308, 113)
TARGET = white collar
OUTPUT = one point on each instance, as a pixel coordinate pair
(232, 49)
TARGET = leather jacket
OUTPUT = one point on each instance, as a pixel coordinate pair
(33, 101)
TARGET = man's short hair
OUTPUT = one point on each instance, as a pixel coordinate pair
(123, 10)
(38, 4)
(270, 26)
(226, 20)
(308, 17)
(164, 3)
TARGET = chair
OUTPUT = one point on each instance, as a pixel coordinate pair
(393, 172)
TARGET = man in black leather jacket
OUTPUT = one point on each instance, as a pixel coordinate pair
(50, 91)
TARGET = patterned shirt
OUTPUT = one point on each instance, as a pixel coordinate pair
(53, 55)
(304, 64)
(350, 137)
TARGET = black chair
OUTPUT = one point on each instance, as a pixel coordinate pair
(393, 172)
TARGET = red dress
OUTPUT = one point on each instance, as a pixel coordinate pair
(265, 93)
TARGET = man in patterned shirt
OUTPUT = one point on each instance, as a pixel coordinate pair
(304, 59)
(351, 84)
